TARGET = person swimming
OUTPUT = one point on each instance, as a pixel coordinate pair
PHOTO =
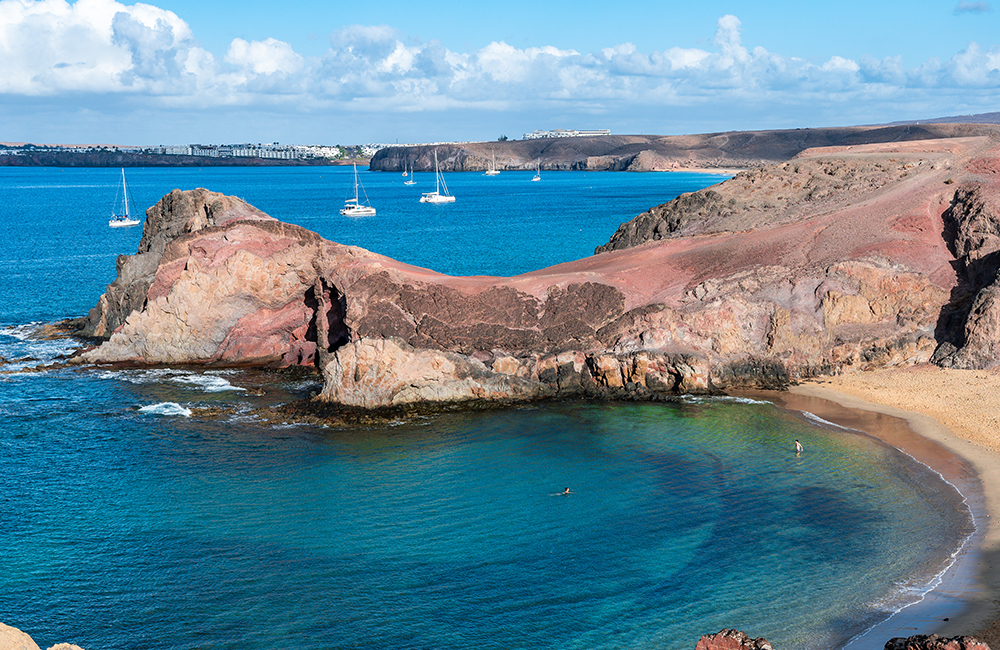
(798, 447)
(566, 491)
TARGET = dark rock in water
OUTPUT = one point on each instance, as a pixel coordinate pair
(738, 640)
(732, 640)
(935, 642)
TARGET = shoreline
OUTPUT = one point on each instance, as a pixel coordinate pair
(898, 407)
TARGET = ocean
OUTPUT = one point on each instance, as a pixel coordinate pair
(156, 508)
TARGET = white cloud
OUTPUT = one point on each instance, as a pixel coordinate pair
(48, 47)
(105, 49)
(973, 67)
(265, 57)
(979, 7)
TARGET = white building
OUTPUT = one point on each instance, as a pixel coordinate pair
(564, 133)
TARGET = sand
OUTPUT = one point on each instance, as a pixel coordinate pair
(955, 415)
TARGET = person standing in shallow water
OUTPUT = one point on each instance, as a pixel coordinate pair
(798, 448)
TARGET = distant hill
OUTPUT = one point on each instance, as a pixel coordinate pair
(979, 118)
(707, 151)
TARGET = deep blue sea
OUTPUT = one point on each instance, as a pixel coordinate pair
(131, 517)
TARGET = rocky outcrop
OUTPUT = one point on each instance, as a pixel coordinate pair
(935, 642)
(831, 263)
(767, 197)
(970, 326)
(967, 334)
(732, 640)
(12, 638)
(738, 640)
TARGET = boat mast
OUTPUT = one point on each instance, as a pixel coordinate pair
(437, 174)
(125, 193)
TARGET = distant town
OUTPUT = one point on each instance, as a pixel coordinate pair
(272, 151)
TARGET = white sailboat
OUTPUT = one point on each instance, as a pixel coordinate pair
(410, 180)
(538, 171)
(352, 207)
(493, 171)
(121, 214)
(436, 196)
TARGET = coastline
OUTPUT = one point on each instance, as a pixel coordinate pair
(946, 420)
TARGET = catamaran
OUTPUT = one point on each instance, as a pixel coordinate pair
(436, 196)
(121, 214)
(352, 207)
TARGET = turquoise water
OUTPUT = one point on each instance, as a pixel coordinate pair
(125, 523)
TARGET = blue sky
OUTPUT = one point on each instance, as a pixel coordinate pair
(322, 72)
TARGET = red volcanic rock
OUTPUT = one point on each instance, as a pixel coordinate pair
(732, 640)
(838, 260)
(935, 642)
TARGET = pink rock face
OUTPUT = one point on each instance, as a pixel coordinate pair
(840, 260)
(731, 640)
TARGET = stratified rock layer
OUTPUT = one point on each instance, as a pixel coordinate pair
(841, 260)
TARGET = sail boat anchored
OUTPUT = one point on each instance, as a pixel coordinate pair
(493, 171)
(410, 180)
(121, 214)
(436, 196)
(538, 171)
(353, 208)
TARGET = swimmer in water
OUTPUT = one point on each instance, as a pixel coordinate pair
(566, 491)
(798, 448)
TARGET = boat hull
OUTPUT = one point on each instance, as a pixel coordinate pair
(357, 211)
(122, 223)
(434, 197)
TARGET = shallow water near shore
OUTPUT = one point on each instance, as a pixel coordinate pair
(129, 518)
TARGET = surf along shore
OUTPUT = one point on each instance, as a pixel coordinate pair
(950, 421)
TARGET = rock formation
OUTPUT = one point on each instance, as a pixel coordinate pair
(732, 640)
(12, 638)
(935, 642)
(842, 259)
(738, 640)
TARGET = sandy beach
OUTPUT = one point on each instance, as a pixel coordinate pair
(952, 422)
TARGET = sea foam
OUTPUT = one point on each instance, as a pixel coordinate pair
(166, 408)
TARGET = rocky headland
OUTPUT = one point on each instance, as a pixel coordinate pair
(643, 153)
(844, 258)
